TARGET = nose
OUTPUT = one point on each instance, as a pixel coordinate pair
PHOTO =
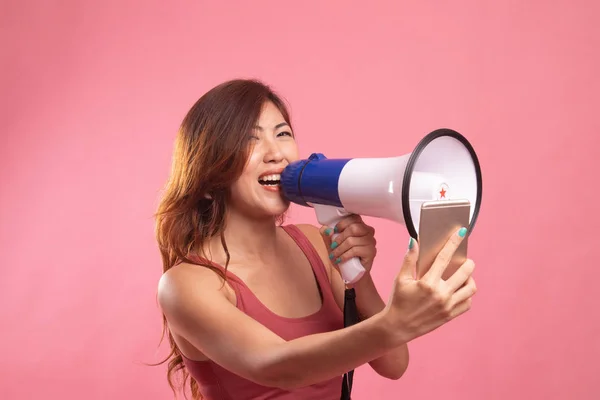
(273, 153)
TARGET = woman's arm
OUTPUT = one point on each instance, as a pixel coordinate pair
(369, 303)
(197, 310)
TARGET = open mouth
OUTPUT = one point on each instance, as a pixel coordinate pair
(270, 180)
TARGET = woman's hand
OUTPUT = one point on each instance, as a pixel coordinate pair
(419, 306)
(351, 238)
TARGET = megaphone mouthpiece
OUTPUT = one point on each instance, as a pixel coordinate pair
(313, 180)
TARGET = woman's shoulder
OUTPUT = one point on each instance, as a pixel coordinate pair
(311, 231)
(185, 278)
(313, 234)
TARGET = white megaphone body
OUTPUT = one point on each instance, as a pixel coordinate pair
(442, 166)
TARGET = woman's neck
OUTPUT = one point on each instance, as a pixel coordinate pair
(247, 240)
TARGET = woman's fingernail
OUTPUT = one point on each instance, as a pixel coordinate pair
(335, 229)
(411, 243)
(338, 260)
(331, 256)
(462, 232)
(334, 245)
(328, 231)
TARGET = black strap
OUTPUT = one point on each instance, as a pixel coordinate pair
(350, 318)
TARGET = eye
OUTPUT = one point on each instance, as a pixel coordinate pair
(284, 134)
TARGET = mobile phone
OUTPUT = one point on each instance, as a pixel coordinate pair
(439, 220)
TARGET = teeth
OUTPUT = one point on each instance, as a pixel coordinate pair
(274, 177)
(270, 179)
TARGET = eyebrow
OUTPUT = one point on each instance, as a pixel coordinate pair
(282, 124)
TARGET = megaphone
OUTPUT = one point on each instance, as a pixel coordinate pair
(443, 166)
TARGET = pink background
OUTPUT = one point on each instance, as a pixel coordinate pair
(92, 96)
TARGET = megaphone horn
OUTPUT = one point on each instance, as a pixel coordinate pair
(443, 166)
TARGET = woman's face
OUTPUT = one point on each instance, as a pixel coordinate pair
(257, 191)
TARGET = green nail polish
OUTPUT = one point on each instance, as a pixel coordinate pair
(331, 256)
(334, 245)
(462, 232)
(339, 260)
(335, 229)
(411, 243)
(328, 231)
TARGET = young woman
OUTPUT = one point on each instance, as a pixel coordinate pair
(253, 307)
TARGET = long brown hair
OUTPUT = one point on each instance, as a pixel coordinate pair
(210, 152)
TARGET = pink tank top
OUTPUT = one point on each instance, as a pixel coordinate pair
(217, 383)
